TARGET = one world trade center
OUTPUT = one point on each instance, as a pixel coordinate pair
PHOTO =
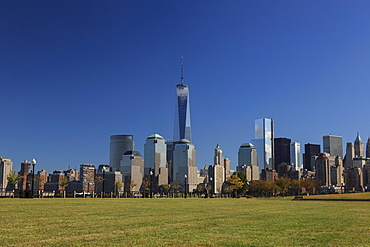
(182, 129)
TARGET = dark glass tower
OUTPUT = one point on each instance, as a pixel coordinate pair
(182, 129)
(282, 151)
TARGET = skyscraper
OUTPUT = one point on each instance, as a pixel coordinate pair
(333, 145)
(282, 151)
(247, 161)
(309, 151)
(350, 152)
(295, 156)
(184, 165)
(359, 146)
(182, 128)
(6, 166)
(368, 148)
(264, 136)
(155, 159)
(218, 159)
(119, 145)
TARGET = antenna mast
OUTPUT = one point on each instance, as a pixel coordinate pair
(182, 70)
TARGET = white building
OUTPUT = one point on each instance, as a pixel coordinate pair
(155, 159)
(6, 166)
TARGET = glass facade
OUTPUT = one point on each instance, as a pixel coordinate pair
(264, 136)
(295, 156)
(182, 128)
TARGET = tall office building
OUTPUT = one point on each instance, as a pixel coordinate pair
(282, 151)
(323, 170)
(309, 151)
(295, 156)
(87, 177)
(350, 152)
(359, 146)
(182, 128)
(119, 145)
(218, 159)
(132, 169)
(264, 136)
(368, 148)
(247, 155)
(184, 165)
(6, 166)
(333, 145)
(155, 159)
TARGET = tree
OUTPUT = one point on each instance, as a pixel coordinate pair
(308, 184)
(99, 180)
(131, 185)
(176, 188)
(199, 189)
(63, 182)
(243, 178)
(283, 183)
(118, 186)
(235, 184)
(166, 188)
(14, 178)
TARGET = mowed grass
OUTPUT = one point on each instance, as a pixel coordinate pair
(183, 222)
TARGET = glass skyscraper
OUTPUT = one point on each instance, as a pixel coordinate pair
(182, 128)
(264, 143)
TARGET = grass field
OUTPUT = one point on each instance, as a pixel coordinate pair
(183, 222)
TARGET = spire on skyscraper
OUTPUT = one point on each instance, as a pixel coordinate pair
(182, 70)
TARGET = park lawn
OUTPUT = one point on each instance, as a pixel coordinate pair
(365, 195)
(183, 222)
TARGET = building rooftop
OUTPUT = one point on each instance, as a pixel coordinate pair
(185, 141)
(358, 138)
(155, 136)
(247, 145)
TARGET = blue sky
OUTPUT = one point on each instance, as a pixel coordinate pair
(74, 72)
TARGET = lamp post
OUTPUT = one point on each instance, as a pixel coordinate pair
(210, 180)
(33, 177)
(103, 181)
(151, 183)
(186, 177)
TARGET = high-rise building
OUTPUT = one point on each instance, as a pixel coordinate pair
(155, 159)
(6, 166)
(184, 166)
(247, 155)
(309, 151)
(247, 161)
(216, 175)
(218, 159)
(359, 146)
(353, 179)
(264, 136)
(323, 170)
(227, 168)
(182, 129)
(119, 145)
(333, 145)
(350, 154)
(132, 169)
(295, 156)
(25, 183)
(368, 148)
(87, 177)
(282, 151)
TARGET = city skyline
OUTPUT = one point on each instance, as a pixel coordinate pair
(75, 73)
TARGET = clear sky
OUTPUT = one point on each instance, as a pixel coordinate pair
(74, 72)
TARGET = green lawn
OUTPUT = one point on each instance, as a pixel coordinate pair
(183, 222)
